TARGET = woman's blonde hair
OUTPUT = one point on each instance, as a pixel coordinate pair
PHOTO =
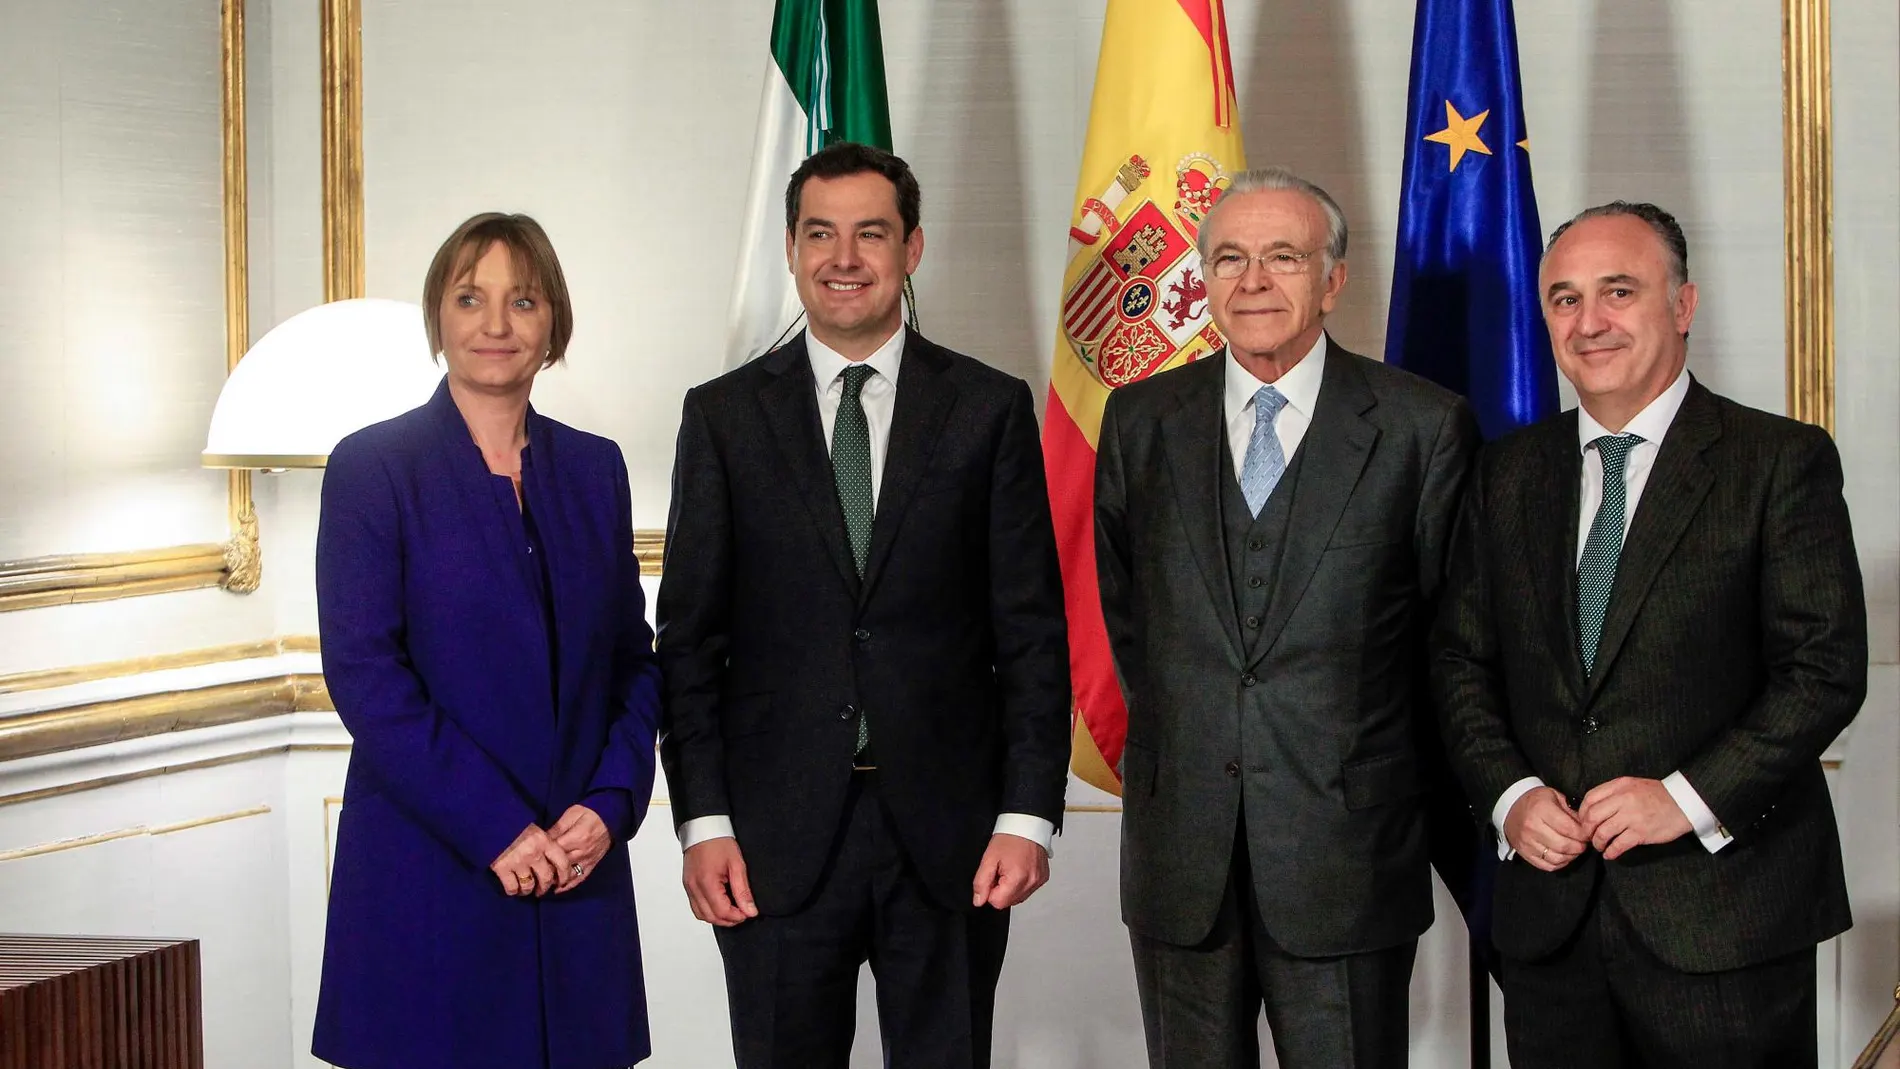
(534, 261)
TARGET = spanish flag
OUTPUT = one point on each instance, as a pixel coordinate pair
(1162, 141)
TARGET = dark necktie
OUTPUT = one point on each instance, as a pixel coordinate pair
(851, 468)
(1596, 569)
(851, 463)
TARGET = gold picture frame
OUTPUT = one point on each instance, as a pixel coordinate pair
(1807, 153)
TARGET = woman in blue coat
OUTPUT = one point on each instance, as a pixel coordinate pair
(484, 638)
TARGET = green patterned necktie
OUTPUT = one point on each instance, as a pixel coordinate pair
(851, 468)
(851, 463)
(1596, 569)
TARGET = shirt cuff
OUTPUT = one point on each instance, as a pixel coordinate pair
(614, 807)
(1035, 829)
(1708, 829)
(700, 829)
(1506, 800)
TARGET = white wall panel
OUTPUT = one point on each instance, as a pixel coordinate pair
(220, 883)
(111, 280)
(112, 311)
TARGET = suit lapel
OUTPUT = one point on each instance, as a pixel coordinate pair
(790, 401)
(924, 398)
(549, 498)
(475, 484)
(1671, 497)
(1551, 526)
(1337, 445)
(1192, 436)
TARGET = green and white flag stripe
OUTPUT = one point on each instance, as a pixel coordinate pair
(824, 83)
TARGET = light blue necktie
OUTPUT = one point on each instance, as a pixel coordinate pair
(1596, 569)
(1266, 461)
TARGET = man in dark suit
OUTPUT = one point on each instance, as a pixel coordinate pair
(1270, 528)
(1653, 628)
(861, 627)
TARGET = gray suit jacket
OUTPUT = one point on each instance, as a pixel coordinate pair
(1313, 732)
(1734, 650)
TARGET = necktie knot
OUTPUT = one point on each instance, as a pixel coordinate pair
(1615, 451)
(855, 377)
(1267, 403)
(1265, 461)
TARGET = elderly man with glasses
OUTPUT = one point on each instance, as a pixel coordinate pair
(1271, 531)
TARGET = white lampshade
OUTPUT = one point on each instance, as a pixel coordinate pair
(315, 378)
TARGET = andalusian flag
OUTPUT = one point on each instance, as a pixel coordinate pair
(1162, 141)
(824, 82)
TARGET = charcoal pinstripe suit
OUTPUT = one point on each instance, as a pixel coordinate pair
(1734, 649)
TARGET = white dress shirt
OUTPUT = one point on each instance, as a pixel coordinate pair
(1651, 425)
(1300, 387)
(879, 398)
(879, 395)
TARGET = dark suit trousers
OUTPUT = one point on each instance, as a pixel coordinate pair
(1200, 1005)
(792, 980)
(1603, 1001)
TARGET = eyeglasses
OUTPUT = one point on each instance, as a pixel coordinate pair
(1231, 265)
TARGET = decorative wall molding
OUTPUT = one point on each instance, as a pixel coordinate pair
(243, 554)
(61, 845)
(649, 547)
(342, 29)
(74, 578)
(48, 678)
(1808, 189)
(97, 723)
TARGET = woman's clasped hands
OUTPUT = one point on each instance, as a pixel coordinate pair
(555, 860)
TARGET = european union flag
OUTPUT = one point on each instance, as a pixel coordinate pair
(1466, 314)
(1465, 310)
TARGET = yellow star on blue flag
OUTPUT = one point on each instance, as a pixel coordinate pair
(1464, 310)
(1461, 134)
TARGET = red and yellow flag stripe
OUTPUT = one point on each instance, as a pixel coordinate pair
(1162, 140)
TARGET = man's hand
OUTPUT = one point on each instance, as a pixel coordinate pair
(1544, 830)
(585, 837)
(532, 864)
(1628, 812)
(1011, 870)
(716, 883)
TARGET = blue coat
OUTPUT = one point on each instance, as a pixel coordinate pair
(436, 650)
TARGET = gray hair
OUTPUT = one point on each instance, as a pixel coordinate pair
(1668, 231)
(1264, 179)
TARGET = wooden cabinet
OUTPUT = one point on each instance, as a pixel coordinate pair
(84, 1002)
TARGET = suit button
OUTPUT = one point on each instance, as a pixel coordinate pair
(1249, 680)
(1253, 621)
(1233, 768)
(1255, 582)
(1590, 725)
(1256, 545)
(861, 635)
(846, 712)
